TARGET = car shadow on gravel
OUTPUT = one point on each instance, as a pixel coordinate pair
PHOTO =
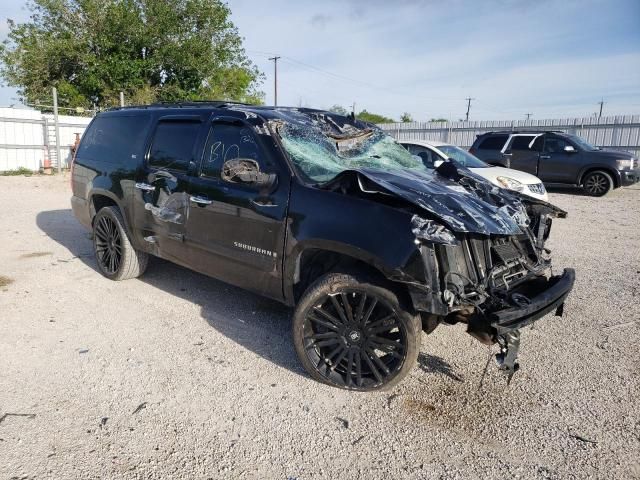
(257, 323)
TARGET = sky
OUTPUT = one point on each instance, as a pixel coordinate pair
(548, 58)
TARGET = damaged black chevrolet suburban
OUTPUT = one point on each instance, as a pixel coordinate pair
(326, 214)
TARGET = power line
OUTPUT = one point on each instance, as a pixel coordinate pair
(275, 79)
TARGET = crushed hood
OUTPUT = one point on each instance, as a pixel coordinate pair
(461, 200)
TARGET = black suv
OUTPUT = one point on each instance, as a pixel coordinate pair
(326, 214)
(559, 158)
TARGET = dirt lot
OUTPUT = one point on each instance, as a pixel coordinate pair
(177, 375)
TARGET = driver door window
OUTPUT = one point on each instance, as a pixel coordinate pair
(228, 141)
(555, 145)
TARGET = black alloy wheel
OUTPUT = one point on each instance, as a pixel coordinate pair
(357, 338)
(108, 245)
(598, 183)
(116, 257)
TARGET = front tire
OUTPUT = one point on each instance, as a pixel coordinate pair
(597, 183)
(116, 257)
(353, 333)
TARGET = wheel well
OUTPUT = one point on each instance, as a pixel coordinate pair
(314, 263)
(98, 202)
(611, 173)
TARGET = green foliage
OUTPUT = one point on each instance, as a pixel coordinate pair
(339, 109)
(406, 118)
(437, 120)
(19, 171)
(373, 117)
(152, 50)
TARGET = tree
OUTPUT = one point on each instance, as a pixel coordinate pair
(152, 50)
(406, 117)
(339, 109)
(373, 117)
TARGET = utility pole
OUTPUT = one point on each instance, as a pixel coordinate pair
(54, 92)
(528, 115)
(353, 108)
(601, 103)
(275, 80)
(468, 99)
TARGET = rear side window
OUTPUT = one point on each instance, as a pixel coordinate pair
(115, 139)
(521, 142)
(494, 142)
(173, 144)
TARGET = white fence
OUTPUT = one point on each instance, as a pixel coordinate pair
(620, 132)
(26, 136)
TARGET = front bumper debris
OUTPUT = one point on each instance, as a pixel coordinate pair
(504, 321)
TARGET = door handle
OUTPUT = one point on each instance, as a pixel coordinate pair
(545, 157)
(200, 200)
(145, 186)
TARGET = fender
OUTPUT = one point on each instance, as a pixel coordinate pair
(373, 233)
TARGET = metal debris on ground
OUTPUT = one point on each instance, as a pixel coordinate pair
(143, 405)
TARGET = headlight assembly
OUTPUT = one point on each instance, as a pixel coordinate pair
(510, 183)
(625, 164)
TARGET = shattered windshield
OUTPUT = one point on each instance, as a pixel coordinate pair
(320, 154)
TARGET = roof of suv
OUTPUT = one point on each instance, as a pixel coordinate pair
(514, 132)
(265, 111)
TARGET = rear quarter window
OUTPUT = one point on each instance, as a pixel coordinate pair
(494, 142)
(115, 139)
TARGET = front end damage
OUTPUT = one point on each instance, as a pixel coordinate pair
(481, 257)
(496, 285)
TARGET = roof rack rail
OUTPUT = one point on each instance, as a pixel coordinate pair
(186, 103)
(521, 131)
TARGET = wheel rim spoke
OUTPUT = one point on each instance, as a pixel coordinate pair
(339, 309)
(367, 315)
(328, 316)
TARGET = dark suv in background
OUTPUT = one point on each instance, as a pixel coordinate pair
(324, 213)
(559, 158)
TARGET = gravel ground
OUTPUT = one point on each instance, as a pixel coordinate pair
(176, 375)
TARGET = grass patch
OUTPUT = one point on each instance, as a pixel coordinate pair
(35, 254)
(5, 281)
(19, 171)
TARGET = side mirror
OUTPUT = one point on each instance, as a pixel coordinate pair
(437, 163)
(247, 171)
(569, 149)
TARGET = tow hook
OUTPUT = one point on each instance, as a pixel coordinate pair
(508, 357)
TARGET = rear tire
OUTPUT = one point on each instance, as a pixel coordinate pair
(116, 257)
(597, 183)
(353, 333)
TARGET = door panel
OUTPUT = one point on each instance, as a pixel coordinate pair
(556, 165)
(235, 232)
(522, 155)
(161, 199)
